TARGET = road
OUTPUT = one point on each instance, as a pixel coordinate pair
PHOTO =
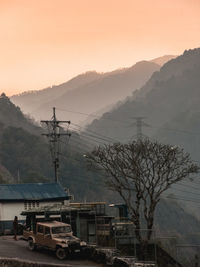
(10, 248)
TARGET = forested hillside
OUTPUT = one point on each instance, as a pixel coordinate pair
(169, 100)
(10, 115)
(169, 105)
(26, 156)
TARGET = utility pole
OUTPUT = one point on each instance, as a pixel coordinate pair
(18, 177)
(54, 135)
(139, 124)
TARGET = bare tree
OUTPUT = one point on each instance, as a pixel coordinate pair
(140, 172)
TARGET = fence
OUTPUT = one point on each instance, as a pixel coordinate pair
(176, 250)
(173, 249)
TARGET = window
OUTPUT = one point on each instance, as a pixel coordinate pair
(25, 205)
(47, 231)
(40, 229)
(61, 230)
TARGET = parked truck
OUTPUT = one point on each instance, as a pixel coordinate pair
(55, 236)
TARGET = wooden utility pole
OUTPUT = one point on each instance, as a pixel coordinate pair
(54, 135)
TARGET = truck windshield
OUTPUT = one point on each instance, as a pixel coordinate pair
(61, 230)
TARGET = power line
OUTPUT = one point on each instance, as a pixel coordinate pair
(188, 192)
(176, 130)
(193, 182)
(86, 114)
(183, 199)
(188, 186)
(158, 127)
(75, 149)
(100, 139)
(98, 134)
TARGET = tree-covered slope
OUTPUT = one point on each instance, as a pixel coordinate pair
(27, 158)
(25, 155)
(172, 91)
(10, 115)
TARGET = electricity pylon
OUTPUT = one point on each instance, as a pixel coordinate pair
(139, 124)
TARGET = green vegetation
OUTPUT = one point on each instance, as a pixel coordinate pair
(27, 156)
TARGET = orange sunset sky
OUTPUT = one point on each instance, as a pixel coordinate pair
(46, 42)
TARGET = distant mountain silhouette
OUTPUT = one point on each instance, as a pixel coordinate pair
(165, 99)
(170, 105)
(87, 93)
(33, 100)
(26, 154)
(162, 60)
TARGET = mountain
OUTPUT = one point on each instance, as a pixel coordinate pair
(32, 100)
(87, 93)
(162, 60)
(168, 105)
(25, 156)
(21, 147)
(5, 176)
(168, 94)
(10, 115)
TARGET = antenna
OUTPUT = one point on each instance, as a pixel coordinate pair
(54, 135)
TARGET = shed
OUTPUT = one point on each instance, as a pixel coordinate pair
(15, 198)
(88, 220)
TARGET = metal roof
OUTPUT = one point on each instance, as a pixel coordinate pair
(36, 191)
(55, 209)
(53, 224)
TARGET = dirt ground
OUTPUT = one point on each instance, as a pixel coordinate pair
(19, 249)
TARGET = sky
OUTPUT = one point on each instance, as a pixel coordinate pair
(47, 42)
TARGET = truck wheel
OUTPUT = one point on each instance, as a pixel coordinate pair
(31, 245)
(61, 253)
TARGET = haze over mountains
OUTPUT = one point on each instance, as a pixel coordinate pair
(170, 106)
(27, 155)
(90, 93)
(168, 98)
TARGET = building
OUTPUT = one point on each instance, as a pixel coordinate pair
(88, 220)
(15, 198)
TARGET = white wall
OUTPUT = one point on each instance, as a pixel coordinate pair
(8, 210)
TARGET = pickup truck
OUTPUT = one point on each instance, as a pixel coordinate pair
(55, 236)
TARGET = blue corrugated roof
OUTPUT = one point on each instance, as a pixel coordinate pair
(37, 191)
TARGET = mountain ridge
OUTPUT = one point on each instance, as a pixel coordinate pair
(166, 92)
(38, 104)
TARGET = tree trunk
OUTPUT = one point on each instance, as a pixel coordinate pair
(143, 255)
